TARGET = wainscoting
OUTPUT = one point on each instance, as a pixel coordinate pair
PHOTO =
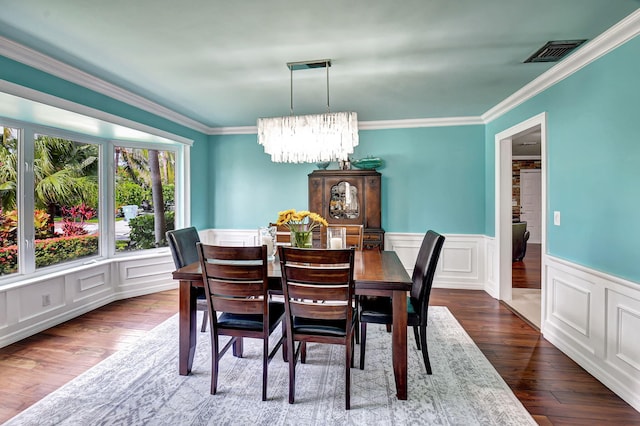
(31, 306)
(594, 318)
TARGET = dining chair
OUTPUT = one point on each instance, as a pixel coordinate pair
(354, 235)
(318, 289)
(182, 243)
(283, 235)
(378, 310)
(236, 287)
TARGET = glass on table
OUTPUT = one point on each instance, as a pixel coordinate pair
(336, 237)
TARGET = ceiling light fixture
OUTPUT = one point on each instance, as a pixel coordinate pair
(309, 138)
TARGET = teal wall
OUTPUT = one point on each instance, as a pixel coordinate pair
(432, 178)
(26, 76)
(593, 163)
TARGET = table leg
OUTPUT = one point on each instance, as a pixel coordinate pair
(187, 329)
(399, 342)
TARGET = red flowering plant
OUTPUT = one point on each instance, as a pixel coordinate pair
(74, 219)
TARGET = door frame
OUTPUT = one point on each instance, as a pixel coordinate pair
(503, 204)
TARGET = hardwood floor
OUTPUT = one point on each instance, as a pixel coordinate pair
(553, 388)
(526, 274)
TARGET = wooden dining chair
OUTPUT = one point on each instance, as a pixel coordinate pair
(236, 286)
(318, 292)
(283, 235)
(182, 243)
(354, 235)
(379, 309)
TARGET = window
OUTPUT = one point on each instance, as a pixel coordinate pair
(144, 197)
(66, 194)
(59, 191)
(8, 202)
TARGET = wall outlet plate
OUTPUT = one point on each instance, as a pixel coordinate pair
(556, 218)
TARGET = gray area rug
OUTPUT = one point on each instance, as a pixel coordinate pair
(141, 386)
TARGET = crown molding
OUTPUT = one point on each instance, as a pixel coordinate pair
(42, 62)
(419, 122)
(241, 130)
(615, 36)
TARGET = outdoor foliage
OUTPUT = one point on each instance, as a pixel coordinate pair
(130, 193)
(9, 226)
(142, 231)
(50, 251)
(74, 219)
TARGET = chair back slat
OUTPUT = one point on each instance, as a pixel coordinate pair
(237, 305)
(323, 311)
(235, 288)
(238, 270)
(324, 293)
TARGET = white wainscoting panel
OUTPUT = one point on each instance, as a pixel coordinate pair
(3, 310)
(37, 303)
(89, 283)
(491, 285)
(461, 263)
(40, 298)
(594, 318)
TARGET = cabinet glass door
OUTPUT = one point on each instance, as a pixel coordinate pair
(344, 201)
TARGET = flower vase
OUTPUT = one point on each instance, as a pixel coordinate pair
(302, 239)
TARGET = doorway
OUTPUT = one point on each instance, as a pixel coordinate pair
(519, 142)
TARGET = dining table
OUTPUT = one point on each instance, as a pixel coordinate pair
(376, 273)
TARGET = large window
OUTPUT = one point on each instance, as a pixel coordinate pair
(59, 191)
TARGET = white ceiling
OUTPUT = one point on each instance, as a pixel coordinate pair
(222, 63)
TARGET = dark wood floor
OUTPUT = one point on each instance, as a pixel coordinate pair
(526, 273)
(553, 388)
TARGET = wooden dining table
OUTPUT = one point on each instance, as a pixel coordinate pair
(376, 273)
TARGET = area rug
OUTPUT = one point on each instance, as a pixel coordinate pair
(141, 386)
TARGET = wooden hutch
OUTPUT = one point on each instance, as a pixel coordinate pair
(349, 197)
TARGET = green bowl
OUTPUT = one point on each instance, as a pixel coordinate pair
(367, 163)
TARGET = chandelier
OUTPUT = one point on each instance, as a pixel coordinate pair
(309, 138)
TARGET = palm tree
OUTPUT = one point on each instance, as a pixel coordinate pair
(66, 173)
(8, 169)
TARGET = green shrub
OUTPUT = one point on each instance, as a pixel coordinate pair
(51, 251)
(129, 193)
(142, 233)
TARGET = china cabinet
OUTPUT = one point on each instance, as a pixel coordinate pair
(349, 197)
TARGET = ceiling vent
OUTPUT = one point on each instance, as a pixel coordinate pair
(553, 51)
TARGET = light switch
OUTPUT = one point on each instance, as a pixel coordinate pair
(556, 218)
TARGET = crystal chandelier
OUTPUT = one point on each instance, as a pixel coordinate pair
(309, 138)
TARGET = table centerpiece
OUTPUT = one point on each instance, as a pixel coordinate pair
(301, 224)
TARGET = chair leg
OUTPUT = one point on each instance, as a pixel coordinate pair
(265, 364)
(347, 375)
(292, 370)
(285, 352)
(388, 328)
(363, 341)
(214, 363)
(303, 352)
(415, 333)
(425, 352)
(205, 317)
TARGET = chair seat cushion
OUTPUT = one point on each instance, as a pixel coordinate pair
(252, 321)
(379, 310)
(320, 327)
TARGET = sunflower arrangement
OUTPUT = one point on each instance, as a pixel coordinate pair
(301, 224)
